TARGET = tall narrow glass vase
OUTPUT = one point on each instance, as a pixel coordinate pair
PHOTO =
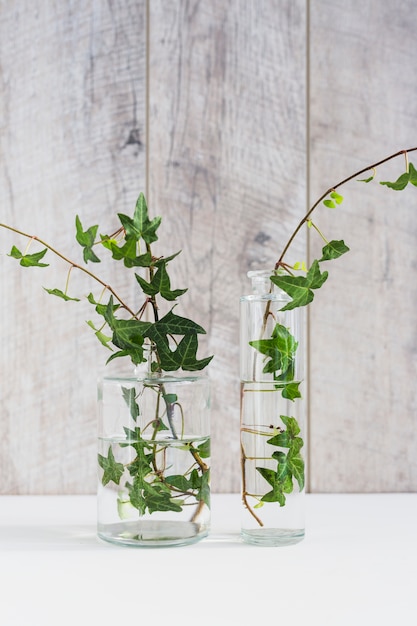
(154, 460)
(272, 356)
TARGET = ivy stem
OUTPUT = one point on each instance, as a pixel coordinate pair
(73, 264)
(68, 279)
(306, 217)
(319, 231)
(333, 188)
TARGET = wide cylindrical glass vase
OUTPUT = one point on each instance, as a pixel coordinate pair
(272, 355)
(154, 460)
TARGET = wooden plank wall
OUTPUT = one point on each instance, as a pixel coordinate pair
(229, 115)
(363, 374)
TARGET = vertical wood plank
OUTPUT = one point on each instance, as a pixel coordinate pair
(226, 168)
(363, 326)
(72, 141)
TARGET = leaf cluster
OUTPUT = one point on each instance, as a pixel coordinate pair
(279, 351)
(301, 288)
(290, 464)
(150, 488)
(170, 343)
(279, 348)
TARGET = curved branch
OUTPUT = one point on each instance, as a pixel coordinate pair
(73, 264)
(333, 188)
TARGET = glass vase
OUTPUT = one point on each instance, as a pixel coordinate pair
(272, 355)
(154, 460)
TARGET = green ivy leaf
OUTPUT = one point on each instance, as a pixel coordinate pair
(280, 482)
(60, 294)
(128, 335)
(165, 260)
(127, 252)
(140, 227)
(333, 250)
(290, 391)
(160, 283)
(172, 324)
(184, 356)
(204, 449)
(112, 469)
(148, 288)
(280, 349)
(291, 423)
(29, 260)
(129, 396)
(288, 438)
(296, 467)
(300, 287)
(403, 180)
(336, 197)
(366, 180)
(86, 239)
(180, 482)
(103, 339)
(204, 489)
(153, 496)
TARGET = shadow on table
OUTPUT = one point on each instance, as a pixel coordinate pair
(45, 538)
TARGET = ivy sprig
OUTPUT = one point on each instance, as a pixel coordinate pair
(172, 340)
(301, 289)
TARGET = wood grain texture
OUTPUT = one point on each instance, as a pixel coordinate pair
(72, 82)
(226, 149)
(363, 356)
(225, 166)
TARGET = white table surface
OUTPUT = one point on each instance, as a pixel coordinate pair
(357, 565)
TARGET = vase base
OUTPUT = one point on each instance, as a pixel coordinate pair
(273, 537)
(152, 534)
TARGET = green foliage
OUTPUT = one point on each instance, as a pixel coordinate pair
(163, 339)
(332, 203)
(169, 343)
(300, 288)
(290, 465)
(60, 294)
(333, 250)
(279, 351)
(401, 183)
(29, 260)
(160, 284)
(279, 348)
(86, 239)
(151, 487)
(129, 395)
(112, 470)
(140, 226)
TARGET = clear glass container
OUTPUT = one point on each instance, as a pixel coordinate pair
(154, 460)
(272, 365)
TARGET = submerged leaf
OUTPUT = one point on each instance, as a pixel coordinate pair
(280, 349)
(129, 396)
(112, 469)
